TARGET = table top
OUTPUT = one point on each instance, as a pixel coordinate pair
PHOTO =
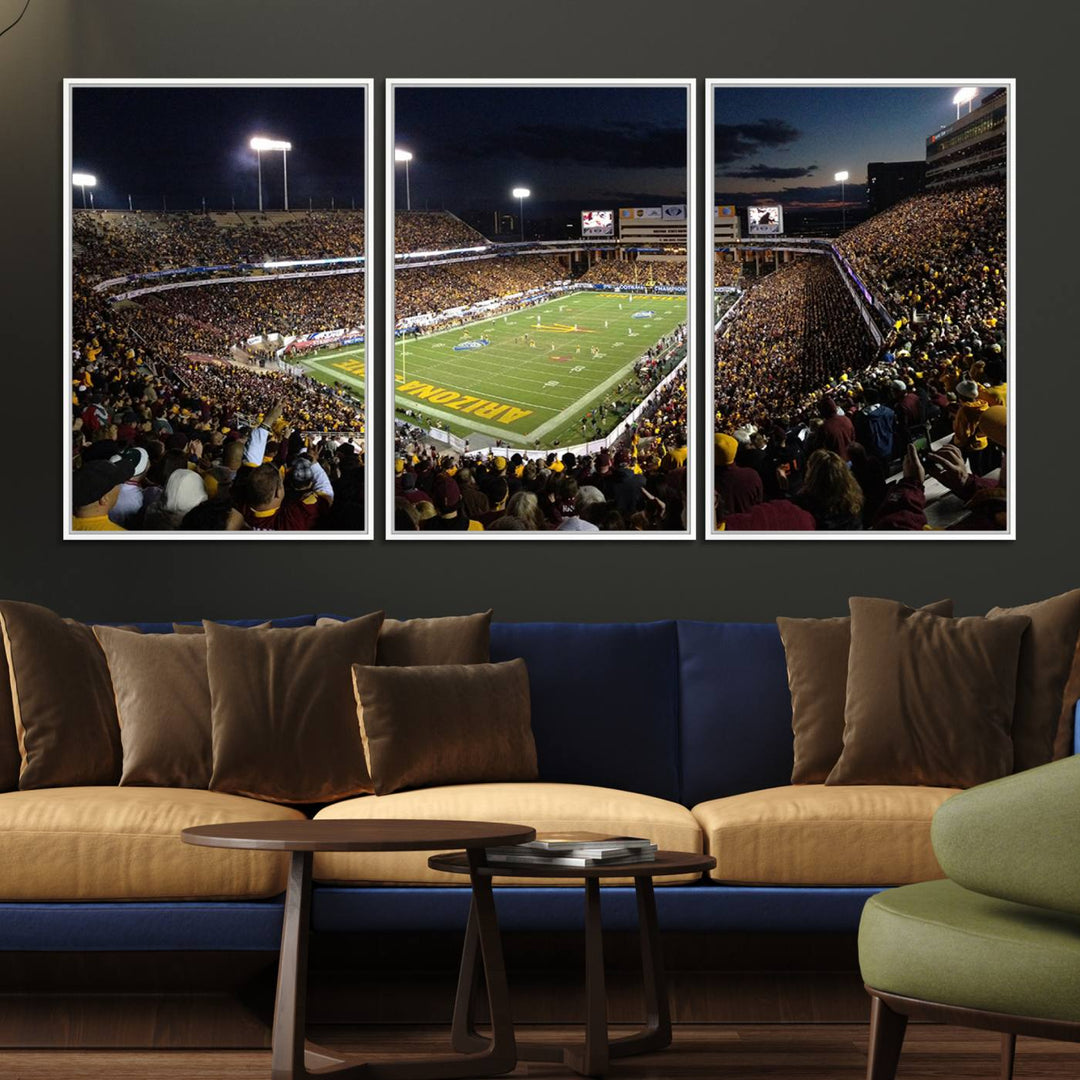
(666, 862)
(375, 834)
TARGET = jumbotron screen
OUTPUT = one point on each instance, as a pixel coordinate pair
(597, 222)
(765, 220)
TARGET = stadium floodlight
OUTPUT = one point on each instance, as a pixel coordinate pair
(842, 178)
(85, 180)
(521, 194)
(259, 143)
(965, 96)
(406, 156)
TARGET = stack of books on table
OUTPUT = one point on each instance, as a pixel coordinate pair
(575, 849)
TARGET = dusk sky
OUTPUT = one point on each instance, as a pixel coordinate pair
(785, 144)
(581, 147)
(190, 142)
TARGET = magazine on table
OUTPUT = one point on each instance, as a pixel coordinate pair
(576, 849)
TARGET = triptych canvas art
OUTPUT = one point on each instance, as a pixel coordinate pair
(581, 339)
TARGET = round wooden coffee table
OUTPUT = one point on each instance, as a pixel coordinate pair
(291, 1057)
(591, 1058)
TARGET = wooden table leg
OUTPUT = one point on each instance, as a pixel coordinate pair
(292, 1058)
(464, 1037)
(592, 1059)
(290, 1012)
(657, 1031)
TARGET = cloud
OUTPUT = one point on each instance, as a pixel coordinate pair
(795, 197)
(625, 145)
(733, 142)
(637, 198)
(770, 172)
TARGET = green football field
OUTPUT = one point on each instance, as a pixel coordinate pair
(531, 376)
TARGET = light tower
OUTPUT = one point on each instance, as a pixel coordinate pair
(842, 178)
(260, 143)
(405, 156)
(521, 194)
(85, 180)
(965, 96)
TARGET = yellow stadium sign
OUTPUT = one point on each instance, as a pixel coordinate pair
(451, 399)
(563, 328)
(353, 367)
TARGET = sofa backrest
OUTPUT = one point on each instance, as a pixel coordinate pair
(167, 627)
(735, 710)
(605, 701)
(686, 711)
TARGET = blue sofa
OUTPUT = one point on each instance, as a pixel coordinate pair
(685, 712)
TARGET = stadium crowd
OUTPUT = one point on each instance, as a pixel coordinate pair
(726, 272)
(166, 434)
(240, 310)
(791, 333)
(424, 290)
(432, 230)
(207, 445)
(637, 272)
(640, 487)
(109, 243)
(811, 423)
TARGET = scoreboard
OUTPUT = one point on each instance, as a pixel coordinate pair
(765, 220)
(597, 223)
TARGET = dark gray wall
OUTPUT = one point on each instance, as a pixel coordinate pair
(410, 38)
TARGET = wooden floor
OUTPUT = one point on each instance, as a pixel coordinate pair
(725, 1052)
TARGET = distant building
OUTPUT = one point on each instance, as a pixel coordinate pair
(890, 182)
(971, 148)
(726, 227)
(653, 226)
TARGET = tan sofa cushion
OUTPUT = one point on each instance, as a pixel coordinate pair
(810, 834)
(123, 843)
(546, 807)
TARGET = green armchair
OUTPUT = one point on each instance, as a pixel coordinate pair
(997, 944)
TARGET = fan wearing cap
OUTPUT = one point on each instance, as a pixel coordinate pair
(94, 491)
(449, 513)
(129, 502)
(967, 430)
(291, 504)
(739, 488)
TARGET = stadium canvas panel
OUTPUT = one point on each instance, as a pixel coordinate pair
(216, 311)
(863, 353)
(539, 384)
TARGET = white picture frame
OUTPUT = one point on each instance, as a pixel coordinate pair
(371, 415)
(689, 85)
(712, 533)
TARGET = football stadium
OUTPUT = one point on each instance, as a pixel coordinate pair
(860, 381)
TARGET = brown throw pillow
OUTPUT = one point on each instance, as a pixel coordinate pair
(9, 739)
(197, 628)
(455, 639)
(283, 713)
(1046, 657)
(62, 697)
(929, 699)
(163, 703)
(1065, 738)
(447, 724)
(817, 664)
